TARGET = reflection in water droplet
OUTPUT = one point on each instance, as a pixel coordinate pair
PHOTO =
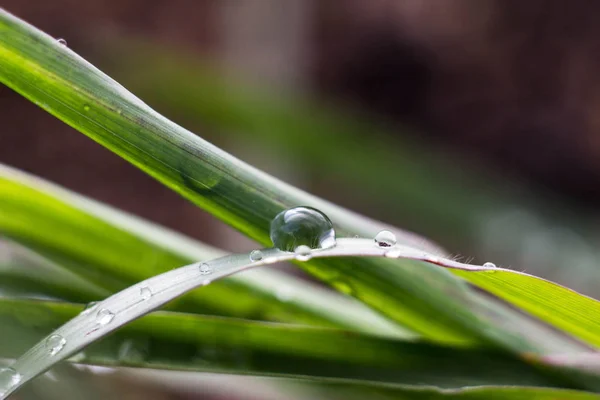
(256, 255)
(385, 239)
(302, 226)
(55, 343)
(205, 269)
(489, 265)
(303, 253)
(62, 42)
(8, 378)
(104, 316)
(145, 293)
(89, 308)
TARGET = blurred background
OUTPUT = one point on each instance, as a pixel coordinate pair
(472, 122)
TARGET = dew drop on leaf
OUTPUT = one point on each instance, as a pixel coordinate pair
(145, 293)
(489, 265)
(104, 316)
(61, 41)
(385, 239)
(302, 226)
(303, 253)
(89, 308)
(55, 343)
(8, 378)
(205, 269)
(256, 255)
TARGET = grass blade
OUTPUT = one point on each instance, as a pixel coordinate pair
(115, 250)
(178, 341)
(63, 83)
(144, 297)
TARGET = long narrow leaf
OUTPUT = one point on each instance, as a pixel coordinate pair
(61, 82)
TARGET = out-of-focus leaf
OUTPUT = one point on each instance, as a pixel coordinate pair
(169, 340)
(115, 250)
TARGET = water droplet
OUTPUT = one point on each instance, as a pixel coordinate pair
(145, 293)
(62, 42)
(205, 269)
(89, 308)
(256, 255)
(303, 253)
(489, 265)
(104, 316)
(8, 378)
(55, 343)
(385, 239)
(86, 108)
(393, 253)
(302, 226)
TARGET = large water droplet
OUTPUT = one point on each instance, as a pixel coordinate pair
(303, 253)
(145, 293)
(205, 269)
(302, 226)
(104, 316)
(489, 265)
(55, 343)
(256, 255)
(61, 41)
(385, 239)
(8, 378)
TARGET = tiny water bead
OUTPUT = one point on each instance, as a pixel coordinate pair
(8, 378)
(104, 316)
(302, 226)
(61, 41)
(489, 265)
(89, 308)
(55, 343)
(145, 293)
(256, 255)
(303, 253)
(205, 269)
(385, 239)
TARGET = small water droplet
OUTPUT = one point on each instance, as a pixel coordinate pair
(145, 293)
(302, 226)
(55, 343)
(385, 239)
(86, 108)
(205, 269)
(62, 42)
(256, 255)
(303, 253)
(393, 253)
(8, 378)
(104, 316)
(89, 308)
(489, 265)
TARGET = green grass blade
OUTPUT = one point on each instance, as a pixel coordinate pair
(132, 303)
(168, 340)
(422, 297)
(115, 250)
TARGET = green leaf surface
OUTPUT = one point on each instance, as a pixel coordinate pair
(115, 250)
(168, 340)
(420, 296)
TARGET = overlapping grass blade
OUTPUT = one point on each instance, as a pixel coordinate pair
(169, 340)
(416, 295)
(115, 250)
